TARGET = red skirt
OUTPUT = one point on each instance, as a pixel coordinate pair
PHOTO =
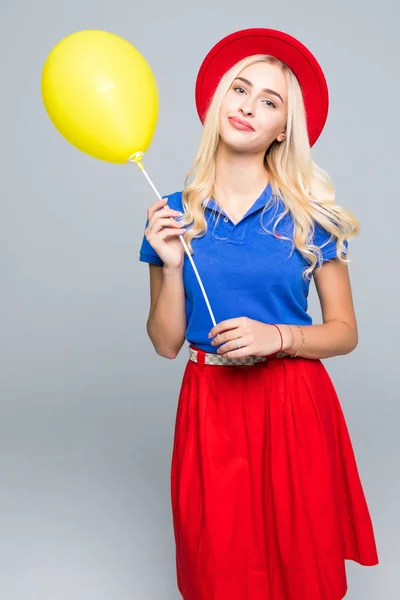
(267, 501)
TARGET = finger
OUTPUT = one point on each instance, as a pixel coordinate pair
(231, 350)
(238, 353)
(166, 233)
(159, 224)
(227, 341)
(171, 232)
(227, 336)
(164, 212)
(156, 206)
(167, 221)
(226, 325)
(169, 214)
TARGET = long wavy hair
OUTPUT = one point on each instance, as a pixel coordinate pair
(305, 189)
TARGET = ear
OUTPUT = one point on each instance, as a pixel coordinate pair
(281, 136)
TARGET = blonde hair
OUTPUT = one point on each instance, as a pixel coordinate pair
(304, 188)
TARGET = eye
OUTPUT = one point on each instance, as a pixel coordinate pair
(271, 103)
(239, 88)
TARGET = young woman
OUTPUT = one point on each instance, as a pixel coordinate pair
(266, 496)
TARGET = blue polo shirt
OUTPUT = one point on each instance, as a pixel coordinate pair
(245, 271)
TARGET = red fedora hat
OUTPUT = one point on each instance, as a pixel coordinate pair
(288, 49)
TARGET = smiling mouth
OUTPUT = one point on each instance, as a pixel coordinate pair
(239, 124)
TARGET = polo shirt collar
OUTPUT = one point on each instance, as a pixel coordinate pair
(258, 204)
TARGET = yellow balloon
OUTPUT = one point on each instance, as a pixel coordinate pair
(101, 94)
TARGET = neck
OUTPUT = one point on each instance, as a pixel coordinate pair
(239, 174)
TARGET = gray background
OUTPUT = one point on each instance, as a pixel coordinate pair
(87, 407)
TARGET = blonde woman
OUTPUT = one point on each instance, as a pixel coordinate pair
(266, 497)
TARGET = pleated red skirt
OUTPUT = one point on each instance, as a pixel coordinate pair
(267, 501)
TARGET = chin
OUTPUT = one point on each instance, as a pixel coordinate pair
(236, 145)
(234, 141)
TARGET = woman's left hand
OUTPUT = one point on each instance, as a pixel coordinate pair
(255, 338)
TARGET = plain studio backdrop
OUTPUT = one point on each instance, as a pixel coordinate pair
(87, 407)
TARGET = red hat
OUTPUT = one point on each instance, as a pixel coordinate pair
(247, 42)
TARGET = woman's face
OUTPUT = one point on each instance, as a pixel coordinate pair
(253, 112)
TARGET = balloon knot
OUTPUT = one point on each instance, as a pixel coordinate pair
(137, 158)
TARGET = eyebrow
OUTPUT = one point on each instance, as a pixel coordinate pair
(267, 90)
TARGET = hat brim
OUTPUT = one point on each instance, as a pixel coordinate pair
(286, 48)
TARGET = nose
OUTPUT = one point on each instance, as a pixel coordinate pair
(246, 106)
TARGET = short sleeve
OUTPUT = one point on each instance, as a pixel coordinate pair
(326, 243)
(146, 252)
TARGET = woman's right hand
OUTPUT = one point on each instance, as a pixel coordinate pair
(162, 233)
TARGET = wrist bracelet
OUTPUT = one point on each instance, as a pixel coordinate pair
(303, 337)
(280, 333)
(291, 345)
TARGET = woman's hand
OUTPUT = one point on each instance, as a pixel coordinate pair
(255, 338)
(162, 233)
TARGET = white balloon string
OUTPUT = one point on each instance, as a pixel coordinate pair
(137, 158)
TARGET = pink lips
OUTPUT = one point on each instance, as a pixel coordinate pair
(239, 124)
